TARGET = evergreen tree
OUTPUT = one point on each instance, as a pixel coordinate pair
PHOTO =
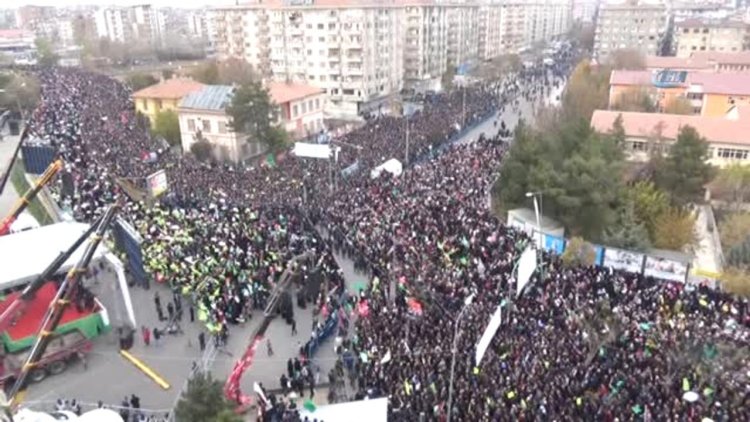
(685, 171)
(627, 232)
(167, 125)
(202, 401)
(253, 113)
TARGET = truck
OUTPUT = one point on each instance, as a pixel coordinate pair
(61, 351)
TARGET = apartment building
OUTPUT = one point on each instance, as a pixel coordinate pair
(425, 45)
(354, 52)
(130, 24)
(692, 35)
(490, 17)
(462, 35)
(641, 27)
(584, 11)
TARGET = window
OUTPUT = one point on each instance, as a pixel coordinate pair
(638, 146)
(317, 104)
(191, 125)
(294, 111)
(222, 127)
(733, 154)
(206, 126)
(158, 105)
(304, 107)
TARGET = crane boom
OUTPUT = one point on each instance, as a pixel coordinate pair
(23, 202)
(28, 292)
(60, 302)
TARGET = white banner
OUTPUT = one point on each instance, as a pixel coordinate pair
(665, 269)
(488, 334)
(526, 267)
(157, 183)
(307, 150)
(623, 260)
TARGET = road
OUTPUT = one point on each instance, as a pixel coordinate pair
(7, 148)
(110, 378)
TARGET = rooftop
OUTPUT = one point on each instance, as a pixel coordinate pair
(211, 97)
(282, 92)
(699, 60)
(170, 89)
(729, 130)
(712, 82)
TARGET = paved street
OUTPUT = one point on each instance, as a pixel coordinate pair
(7, 147)
(109, 377)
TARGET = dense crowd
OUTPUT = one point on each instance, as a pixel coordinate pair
(580, 343)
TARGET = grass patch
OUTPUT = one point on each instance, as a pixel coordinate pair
(35, 208)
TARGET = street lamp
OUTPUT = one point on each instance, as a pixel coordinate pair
(534, 195)
(456, 333)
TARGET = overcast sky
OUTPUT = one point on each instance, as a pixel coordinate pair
(11, 4)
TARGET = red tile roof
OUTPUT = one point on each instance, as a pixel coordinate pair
(645, 125)
(713, 83)
(282, 92)
(170, 89)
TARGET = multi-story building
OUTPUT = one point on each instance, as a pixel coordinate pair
(584, 11)
(490, 17)
(353, 52)
(706, 61)
(27, 17)
(725, 134)
(425, 44)
(152, 100)
(693, 35)
(642, 27)
(462, 36)
(130, 24)
(710, 94)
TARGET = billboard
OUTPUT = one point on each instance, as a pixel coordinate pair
(666, 269)
(554, 244)
(157, 183)
(623, 260)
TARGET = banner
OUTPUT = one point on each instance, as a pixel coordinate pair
(666, 269)
(157, 183)
(599, 260)
(307, 150)
(488, 334)
(526, 267)
(623, 260)
(553, 244)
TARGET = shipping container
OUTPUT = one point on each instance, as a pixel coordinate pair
(36, 158)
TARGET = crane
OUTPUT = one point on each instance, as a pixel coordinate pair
(60, 302)
(23, 202)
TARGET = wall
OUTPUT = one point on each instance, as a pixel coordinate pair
(151, 106)
(227, 145)
(719, 104)
(300, 124)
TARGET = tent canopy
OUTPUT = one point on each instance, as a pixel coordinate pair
(392, 166)
(375, 410)
(24, 255)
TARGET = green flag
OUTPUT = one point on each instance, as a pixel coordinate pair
(309, 405)
(271, 160)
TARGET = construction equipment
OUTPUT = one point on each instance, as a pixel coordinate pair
(23, 202)
(59, 303)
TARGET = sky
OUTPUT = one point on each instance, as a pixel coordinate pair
(11, 4)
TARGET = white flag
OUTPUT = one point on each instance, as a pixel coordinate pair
(259, 390)
(386, 358)
(526, 267)
(488, 334)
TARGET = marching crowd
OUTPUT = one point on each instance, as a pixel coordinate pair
(579, 343)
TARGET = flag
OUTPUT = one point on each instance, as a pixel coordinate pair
(271, 160)
(257, 388)
(526, 266)
(363, 308)
(489, 333)
(386, 358)
(414, 305)
(309, 406)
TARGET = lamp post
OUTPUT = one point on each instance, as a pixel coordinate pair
(537, 211)
(456, 333)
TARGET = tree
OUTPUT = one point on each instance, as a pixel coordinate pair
(578, 252)
(202, 401)
(685, 171)
(202, 149)
(648, 204)
(587, 90)
(236, 72)
(733, 180)
(228, 415)
(19, 92)
(678, 105)
(167, 125)
(739, 255)
(635, 99)
(675, 230)
(167, 73)
(627, 59)
(254, 114)
(446, 81)
(138, 81)
(627, 232)
(736, 280)
(734, 230)
(46, 52)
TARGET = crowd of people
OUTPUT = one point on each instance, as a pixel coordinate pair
(579, 343)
